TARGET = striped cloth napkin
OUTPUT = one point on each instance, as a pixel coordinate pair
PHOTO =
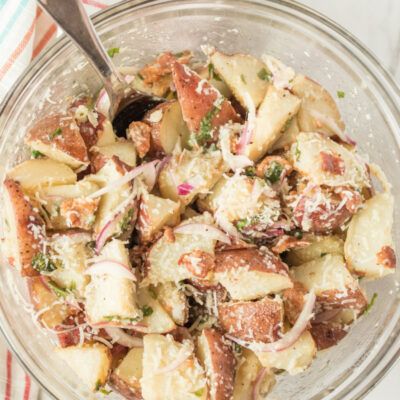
(25, 30)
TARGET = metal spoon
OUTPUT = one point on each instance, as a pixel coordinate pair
(126, 103)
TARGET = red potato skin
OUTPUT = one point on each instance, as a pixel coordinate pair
(69, 140)
(100, 160)
(223, 364)
(353, 298)
(324, 218)
(387, 257)
(195, 106)
(25, 219)
(293, 301)
(252, 321)
(327, 335)
(257, 260)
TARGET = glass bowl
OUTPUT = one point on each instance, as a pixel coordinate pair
(302, 38)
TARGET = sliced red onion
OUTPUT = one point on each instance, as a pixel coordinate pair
(147, 170)
(119, 336)
(43, 281)
(103, 102)
(255, 392)
(273, 232)
(171, 176)
(184, 188)
(185, 352)
(73, 302)
(129, 78)
(289, 338)
(285, 225)
(228, 227)
(161, 164)
(248, 129)
(112, 268)
(332, 125)
(207, 230)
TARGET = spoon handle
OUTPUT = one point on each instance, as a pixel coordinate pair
(71, 16)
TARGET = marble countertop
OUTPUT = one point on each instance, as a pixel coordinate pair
(377, 25)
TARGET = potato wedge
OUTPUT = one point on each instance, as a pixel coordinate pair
(250, 274)
(75, 254)
(154, 213)
(109, 297)
(204, 109)
(295, 359)
(369, 252)
(91, 362)
(58, 137)
(233, 199)
(52, 311)
(32, 174)
(307, 160)
(126, 377)
(316, 100)
(216, 81)
(156, 319)
(215, 353)
(162, 260)
(248, 370)
(25, 232)
(240, 72)
(288, 136)
(320, 246)
(259, 321)
(180, 383)
(125, 151)
(331, 282)
(167, 127)
(173, 301)
(200, 171)
(277, 108)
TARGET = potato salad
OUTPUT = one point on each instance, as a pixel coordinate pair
(224, 240)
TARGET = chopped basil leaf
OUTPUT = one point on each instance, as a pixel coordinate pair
(42, 263)
(297, 153)
(323, 254)
(199, 392)
(340, 94)
(56, 132)
(118, 318)
(106, 392)
(147, 310)
(91, 245)
(57, 290)
(250, 172)
(243, 79)
(71, 286)
(126, 220)
(36, 153)
(178, 55)
(112, 52)
(205, 123)
(58, 208)
(360, 277)
(274, 172)
(98, 385)
(237, 348)
(140, 76)
(152, 293)
(7, 223)
(242, 223)
(264, 75)
(91, 219)
(371, 303)
(212, 73)
(280, 371)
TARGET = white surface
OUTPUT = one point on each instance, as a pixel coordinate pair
(376, 24)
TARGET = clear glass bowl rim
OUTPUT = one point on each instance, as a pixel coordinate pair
(382, 77)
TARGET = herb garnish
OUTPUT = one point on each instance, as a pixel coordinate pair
(126, 220)
(371, 303)
(297, 233)
(242, 223)
(112, 52)
(264, 75)
(57, 290)
(323, 254)
(147, 310)
(106, 392)
(178, 55)
(199, 392)
(212, 73)
(288, 123)
(297, 153)
(118, 318)
(340, 94)
(56, 132)
(243, 79)
(140, 76)
(36, 153)
(98, 385)
(91, 245)
(250, 172)
(274, 172)
(205, 123)
(152, 293)
(42, 263)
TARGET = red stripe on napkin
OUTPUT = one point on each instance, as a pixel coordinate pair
(94, 3)
(44, 40)
(21, 46)
(9, 376)
(27, 391)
